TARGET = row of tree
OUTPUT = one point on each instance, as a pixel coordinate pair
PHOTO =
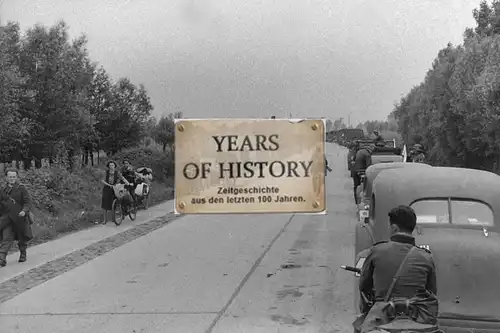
(54, 100)
(455, 111)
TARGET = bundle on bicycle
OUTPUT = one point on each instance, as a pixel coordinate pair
(143, 186)
(123, 204)
(131, 193)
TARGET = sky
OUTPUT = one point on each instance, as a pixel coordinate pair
(256, 58)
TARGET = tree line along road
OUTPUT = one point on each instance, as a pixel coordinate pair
(219, 273)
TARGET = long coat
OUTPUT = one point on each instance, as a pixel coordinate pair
(15, 200)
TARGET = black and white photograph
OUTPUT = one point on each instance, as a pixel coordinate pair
(249, 166)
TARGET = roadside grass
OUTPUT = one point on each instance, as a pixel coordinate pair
(65, 202)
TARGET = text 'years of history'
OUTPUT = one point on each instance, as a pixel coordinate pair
(248, 169)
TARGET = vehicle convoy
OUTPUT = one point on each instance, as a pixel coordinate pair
(390, 143)
(346, 136)
(365, 190)
(387, 154)
(330, 136)
(458, 216)
(367, 142)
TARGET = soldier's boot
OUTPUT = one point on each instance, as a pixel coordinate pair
(3, 259)
(22, 252)
(22, 256)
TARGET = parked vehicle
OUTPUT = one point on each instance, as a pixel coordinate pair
(458, 217)
(365, 191)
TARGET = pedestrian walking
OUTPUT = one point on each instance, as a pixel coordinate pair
(15, 217)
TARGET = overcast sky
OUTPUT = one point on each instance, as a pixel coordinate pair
(256, 58)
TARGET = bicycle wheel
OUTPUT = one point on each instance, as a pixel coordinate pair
(117, 212)
(132, 212)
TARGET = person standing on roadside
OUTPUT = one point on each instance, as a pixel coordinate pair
(16, 219)
(362, 161)
(129, 173)
(419, 155)
(111, 178)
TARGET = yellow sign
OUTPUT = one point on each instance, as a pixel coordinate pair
(249, 166)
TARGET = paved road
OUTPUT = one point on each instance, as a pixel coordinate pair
(220, 274)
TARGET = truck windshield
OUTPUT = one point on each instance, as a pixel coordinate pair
(463, 212)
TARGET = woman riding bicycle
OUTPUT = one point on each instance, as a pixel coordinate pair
(130, 175)
(111, 178)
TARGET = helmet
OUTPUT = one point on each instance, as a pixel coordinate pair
(418, 147)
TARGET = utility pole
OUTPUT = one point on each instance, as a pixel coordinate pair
(1, 27)
(1, 3)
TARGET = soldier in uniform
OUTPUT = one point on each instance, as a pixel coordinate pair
(351, 155)
(362, 161)
(419, 155)
(411, 153)
(415, 282)
(379, 140)
(15, 218)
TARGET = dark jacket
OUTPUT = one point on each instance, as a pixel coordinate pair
(379, 140)
(22, 202)
(129, 175)
(362, 160)
(384, 260)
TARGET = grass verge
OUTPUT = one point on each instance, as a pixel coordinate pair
(65, 202)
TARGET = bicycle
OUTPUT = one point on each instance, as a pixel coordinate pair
(119, 212)
(143, 186)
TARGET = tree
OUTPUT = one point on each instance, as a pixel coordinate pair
(165, 130)
(99, 103)
(55, 102)
(15, 129)
(126, 113)
(148, 128)
(455, 111)
(57, 71)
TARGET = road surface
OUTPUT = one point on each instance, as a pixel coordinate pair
(217, 274)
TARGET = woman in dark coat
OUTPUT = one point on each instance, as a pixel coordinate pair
(112, 177)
